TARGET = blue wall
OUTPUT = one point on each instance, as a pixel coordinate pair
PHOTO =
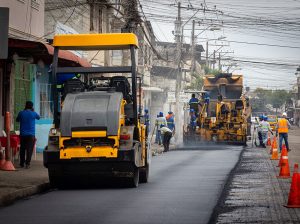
(44, 124)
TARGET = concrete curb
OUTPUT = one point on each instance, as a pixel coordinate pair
(23, 193)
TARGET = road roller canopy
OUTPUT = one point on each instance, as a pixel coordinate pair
(107, 41)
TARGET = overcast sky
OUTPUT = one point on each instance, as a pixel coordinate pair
(262, 22)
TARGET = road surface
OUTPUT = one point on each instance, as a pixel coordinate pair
(184, 187)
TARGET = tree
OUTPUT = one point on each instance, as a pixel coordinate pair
(277, 98)
(209, 71)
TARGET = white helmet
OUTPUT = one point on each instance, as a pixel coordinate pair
(284, 114)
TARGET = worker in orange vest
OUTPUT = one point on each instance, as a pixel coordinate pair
(282, 127)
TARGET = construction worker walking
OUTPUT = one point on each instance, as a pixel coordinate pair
(282, 128)
(160, 120)
(265, 128)
(167, 135)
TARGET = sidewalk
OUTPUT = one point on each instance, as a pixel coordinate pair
(22, 183)
(253, 193)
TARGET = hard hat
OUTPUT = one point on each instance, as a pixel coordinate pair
(261, 117)
(146, 110)
(265, 118)
(161, 114)
(284, 114)
(192, 110)
(170, 112)
(162, 125)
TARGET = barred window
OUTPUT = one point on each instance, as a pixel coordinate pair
(46, 103)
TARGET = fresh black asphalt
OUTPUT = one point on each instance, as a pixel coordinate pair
(184, 187)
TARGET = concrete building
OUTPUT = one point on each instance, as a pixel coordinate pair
(26, 22)
(297, 99)
(25, 73)
(26, 18)
(164, 74)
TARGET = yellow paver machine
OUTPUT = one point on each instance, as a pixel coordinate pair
(222, 114)
(98, 131)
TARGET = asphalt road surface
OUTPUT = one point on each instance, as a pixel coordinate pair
(184, 187)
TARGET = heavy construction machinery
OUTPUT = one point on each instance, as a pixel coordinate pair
(98, 131)
(223, 112)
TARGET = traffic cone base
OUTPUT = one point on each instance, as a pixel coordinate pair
(292, 206)
(8, 166)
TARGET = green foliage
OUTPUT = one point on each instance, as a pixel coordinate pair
(276, 98)
(209, 71)
(197, 83)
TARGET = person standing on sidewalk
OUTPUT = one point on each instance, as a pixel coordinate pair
(27, 119)
(282, 128)
(167, 135)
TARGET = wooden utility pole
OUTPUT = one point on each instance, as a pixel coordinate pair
(193, 49)
(178, 38)
(206, 63)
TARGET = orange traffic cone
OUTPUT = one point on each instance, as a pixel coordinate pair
(283, 152)
(284, 147)
(269, 140)
(274, 149)
(284, 167)
(294, 195)
(8, 166)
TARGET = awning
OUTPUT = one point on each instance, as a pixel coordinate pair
(39, 50)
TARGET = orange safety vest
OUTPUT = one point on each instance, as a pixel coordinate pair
(283, 126)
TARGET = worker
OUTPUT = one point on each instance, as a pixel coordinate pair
(27, 119)
(258, 122)
(159, 121)
(194, 103)
(147, 120)
(193, 119)
(156, 135)
(206, 101)
(282, 128)
(167, 135)
(170, 121)
(265, 128)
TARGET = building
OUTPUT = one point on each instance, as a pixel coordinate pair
(26, 73)
(164, 73)
(297, 99)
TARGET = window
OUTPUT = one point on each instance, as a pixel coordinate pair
(46, 103)
(35, 4)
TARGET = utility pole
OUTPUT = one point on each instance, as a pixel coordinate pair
(206, 63)
(177, 60)
(214, 61)
(193, 49)
(220, 69)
